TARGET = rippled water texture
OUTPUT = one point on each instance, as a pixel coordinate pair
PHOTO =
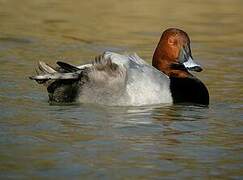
(38, 140)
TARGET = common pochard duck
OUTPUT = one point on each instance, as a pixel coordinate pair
(127, 80)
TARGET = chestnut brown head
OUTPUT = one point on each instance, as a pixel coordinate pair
(173, 54)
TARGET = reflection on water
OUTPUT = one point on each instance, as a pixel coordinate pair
(38, 140)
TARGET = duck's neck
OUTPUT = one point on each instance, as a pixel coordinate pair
(166, 66)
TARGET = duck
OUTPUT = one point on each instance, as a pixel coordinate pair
(128, 80)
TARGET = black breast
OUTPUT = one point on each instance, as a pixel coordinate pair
(189, 90)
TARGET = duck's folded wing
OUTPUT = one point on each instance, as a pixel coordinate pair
(103, 70)
(125, 59)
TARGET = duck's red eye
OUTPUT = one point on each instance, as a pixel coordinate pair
(172, 41)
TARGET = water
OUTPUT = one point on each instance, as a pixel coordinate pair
(38, 140)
